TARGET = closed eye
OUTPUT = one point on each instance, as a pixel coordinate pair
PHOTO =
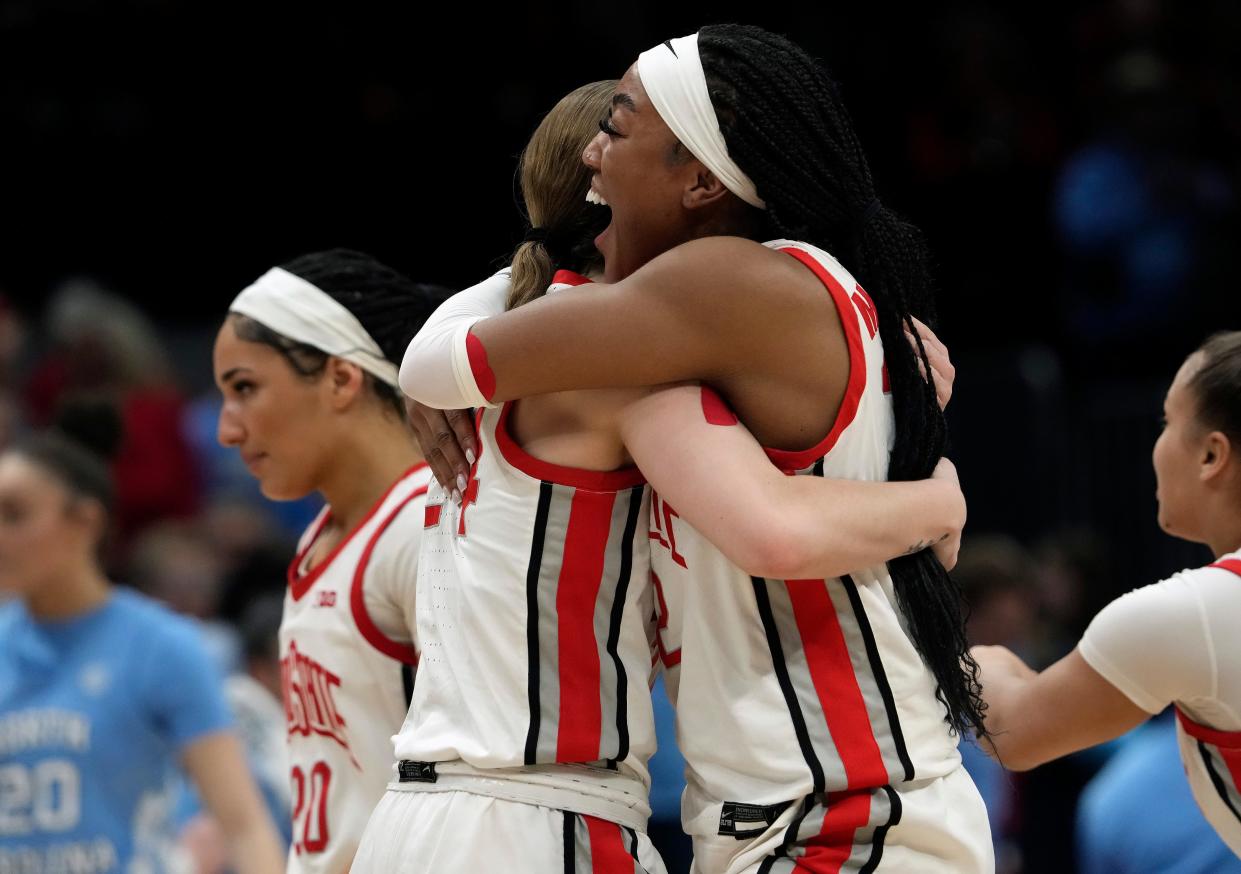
(605, 125)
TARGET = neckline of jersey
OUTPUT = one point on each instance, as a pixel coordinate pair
(300, 584)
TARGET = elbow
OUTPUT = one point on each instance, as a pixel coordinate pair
(772, 552)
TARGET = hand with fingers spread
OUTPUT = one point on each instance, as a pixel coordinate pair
(942, 372)
(448, 443)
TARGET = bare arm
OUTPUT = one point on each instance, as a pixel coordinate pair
(1036, 717)
(217, 766)
(769, 524)
(692, 313)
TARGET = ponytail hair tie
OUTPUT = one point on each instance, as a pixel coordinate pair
(558, 243)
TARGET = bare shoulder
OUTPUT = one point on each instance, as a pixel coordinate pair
(721, 268)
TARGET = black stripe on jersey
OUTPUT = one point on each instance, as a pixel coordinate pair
(614, 623)
(876, 664)
(1216, 780)
(633, 844)
(568, 840)
(790, 835)
(786, 683)
(881, 833)
(881, 678)
(532, 619)
(407, 683)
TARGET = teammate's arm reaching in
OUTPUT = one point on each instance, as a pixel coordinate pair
(772, 525)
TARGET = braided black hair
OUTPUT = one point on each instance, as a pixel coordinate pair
(389, 306)
(785, 125)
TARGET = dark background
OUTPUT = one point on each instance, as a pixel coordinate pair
(1075, 167)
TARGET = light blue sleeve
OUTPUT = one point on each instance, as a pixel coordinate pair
(185, 692)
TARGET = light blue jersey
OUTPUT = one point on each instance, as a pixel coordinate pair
(94, 712)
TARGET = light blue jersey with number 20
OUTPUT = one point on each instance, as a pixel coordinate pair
(94, 712)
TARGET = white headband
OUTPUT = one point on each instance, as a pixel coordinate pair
(673, 78)
(295, 308)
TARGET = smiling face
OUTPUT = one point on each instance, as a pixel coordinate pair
(44, 530)
(277, 419)
(640, 172)
(1178, 456)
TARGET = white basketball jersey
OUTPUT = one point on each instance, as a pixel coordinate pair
(536, 622)
(347, 657)
(788, 688)
(1175, 642)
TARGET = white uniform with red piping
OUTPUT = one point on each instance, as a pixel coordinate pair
(531, 723)
(347, 657)
(1176, 642)
(807, 718)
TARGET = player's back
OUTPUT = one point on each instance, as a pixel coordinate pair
(536, 621)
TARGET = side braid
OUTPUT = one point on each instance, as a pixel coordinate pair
(786, 127)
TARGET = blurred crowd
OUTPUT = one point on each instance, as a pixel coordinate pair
(1084, 205)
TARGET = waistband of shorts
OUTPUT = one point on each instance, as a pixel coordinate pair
(616, 796)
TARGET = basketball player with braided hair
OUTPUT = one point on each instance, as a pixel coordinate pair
(818, 716)
(305, 361)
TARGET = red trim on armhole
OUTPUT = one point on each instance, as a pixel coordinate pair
(300, 585)
(483, 377)
(715, 409)
(546, 471)
(569, 277)
(1225, 739)
(357, 599)
(796, 460)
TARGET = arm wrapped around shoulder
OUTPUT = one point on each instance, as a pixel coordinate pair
(445, 366)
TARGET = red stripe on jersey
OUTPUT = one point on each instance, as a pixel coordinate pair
(577, 591)
(594, 480)
(1229, 564)
(670, 659)
(607, 847)
(840, 696)
(828, 851)
(300, 585)
(786, 460)
(484, 378)
(402, 652)
(569, 277)
(714, 408)
(1222, 739)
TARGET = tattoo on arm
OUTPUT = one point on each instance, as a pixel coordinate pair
(925, 544)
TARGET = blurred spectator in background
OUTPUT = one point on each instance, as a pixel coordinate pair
(12, 336)
(176, 563)
(102, 344)
(1140, 210)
